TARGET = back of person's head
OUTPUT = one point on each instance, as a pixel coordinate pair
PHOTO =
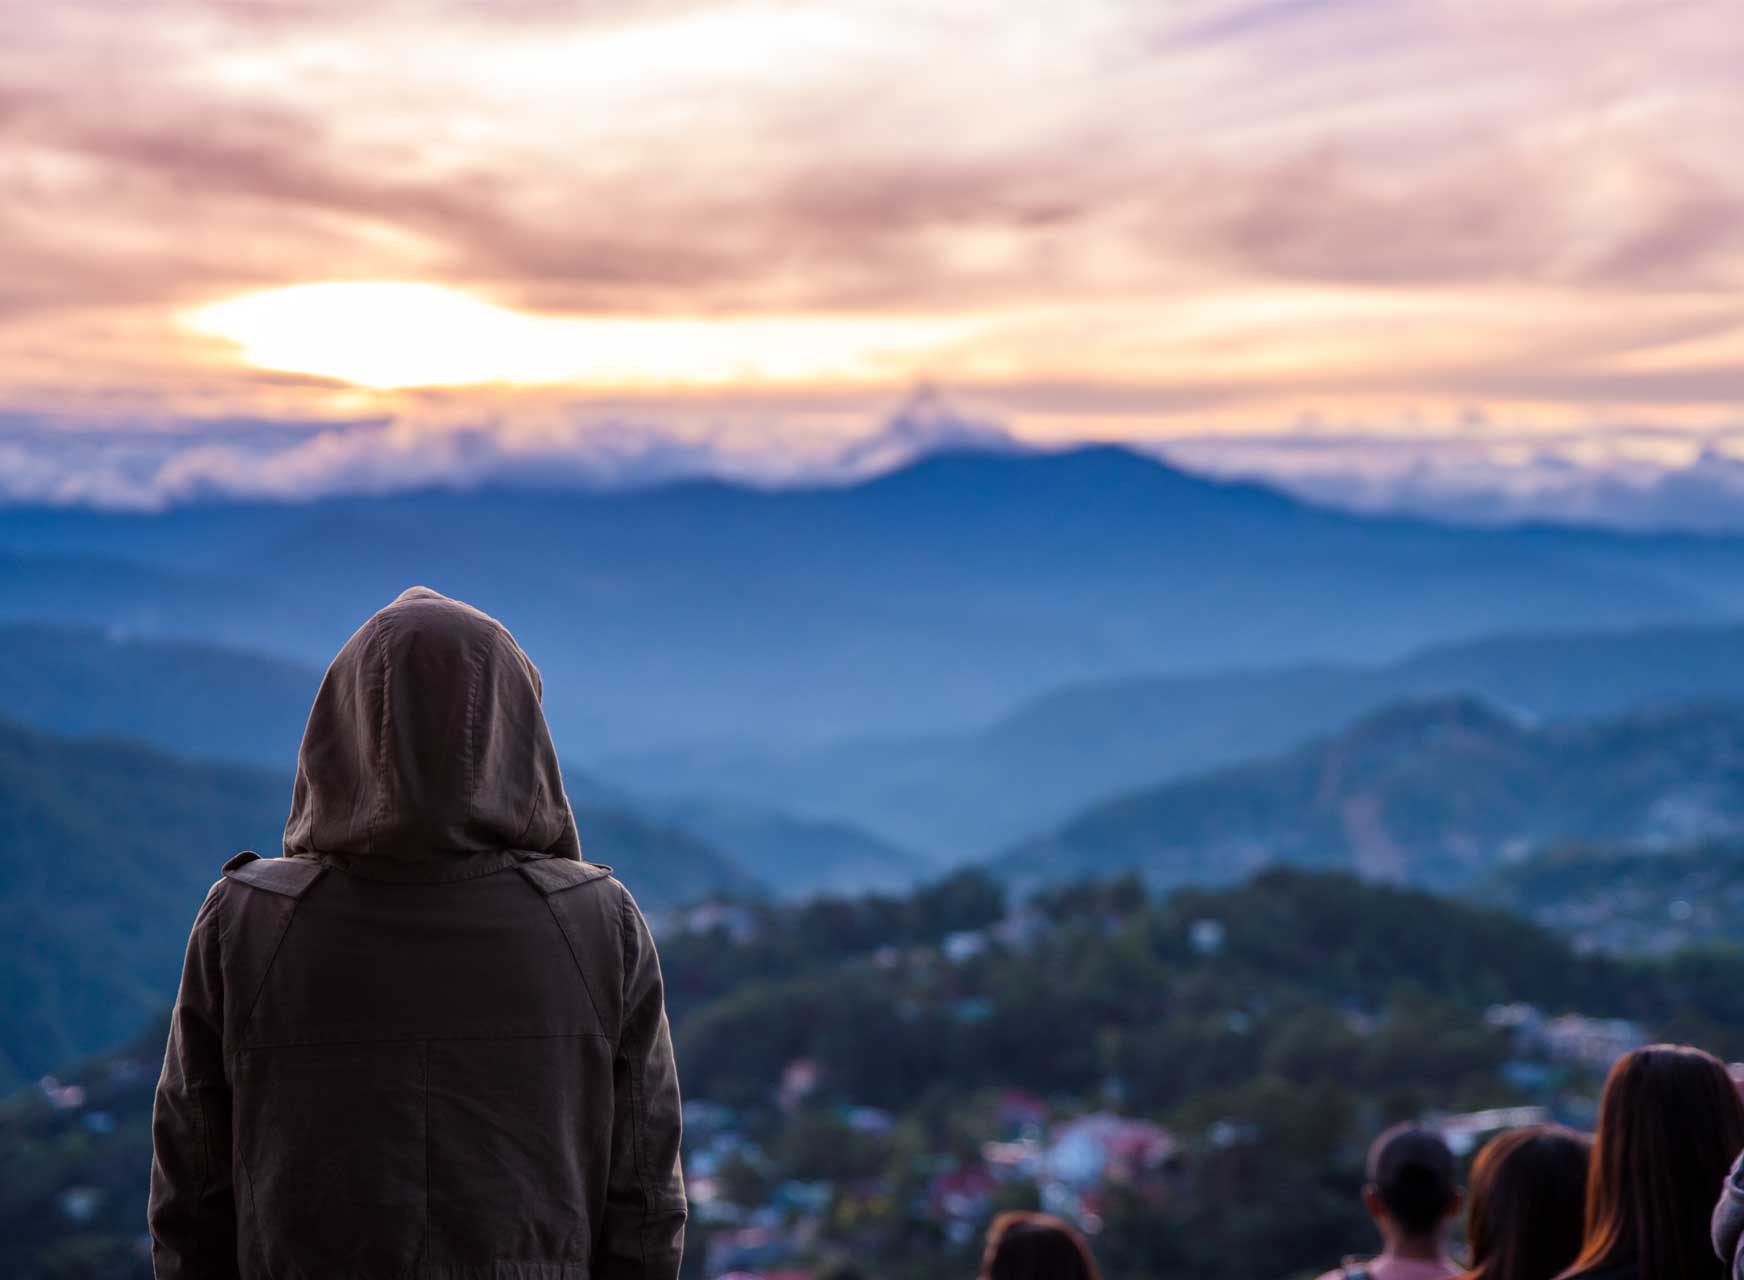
(1670, 1123)
(1036, 1246)
(428, 738)
(1413, 1179)
(1528, 1203)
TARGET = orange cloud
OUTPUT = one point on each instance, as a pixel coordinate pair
(1108, 218)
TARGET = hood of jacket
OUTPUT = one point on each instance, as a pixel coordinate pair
(427, 740)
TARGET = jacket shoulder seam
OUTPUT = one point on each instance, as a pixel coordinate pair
(554, 875)
(288, 876)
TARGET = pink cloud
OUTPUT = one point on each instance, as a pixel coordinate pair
(1131, 201)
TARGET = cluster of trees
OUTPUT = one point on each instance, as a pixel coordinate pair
(1314, 976)
(1308, 1008)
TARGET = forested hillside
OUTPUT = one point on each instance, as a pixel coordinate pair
(1247, 1040)
(1435, 793)
(107, 848)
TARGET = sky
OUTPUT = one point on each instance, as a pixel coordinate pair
(1476, 253)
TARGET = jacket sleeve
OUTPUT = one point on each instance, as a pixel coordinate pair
(192, 1211)
(1728, 1223)
(642, 1237)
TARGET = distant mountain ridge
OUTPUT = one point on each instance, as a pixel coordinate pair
(798, 857)
(962, 794)
(194, 699)
(928, 599)
(106, 850)
(207, 702)
(1436, 794)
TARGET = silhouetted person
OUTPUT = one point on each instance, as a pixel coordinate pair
(1412, 1192)
(1670, 1123)
(1036, 1246)
(430, 1040)
(1527, 1201)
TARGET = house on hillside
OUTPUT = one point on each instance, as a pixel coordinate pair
(1592, 1042)
(1572, 1038)
(1104, 1147)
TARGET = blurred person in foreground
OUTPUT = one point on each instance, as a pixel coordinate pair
(1412, 1193)
(1036, 1246)
(430, 1040)
(1527, 1201)
(1728, 1222)
(1670, 1124)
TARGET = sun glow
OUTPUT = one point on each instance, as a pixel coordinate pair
(393, 334)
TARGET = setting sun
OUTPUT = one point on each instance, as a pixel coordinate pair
(395, 334)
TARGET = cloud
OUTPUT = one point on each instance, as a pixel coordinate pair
(1471, 470)
(125, 466)
(677, 160)
(150, 466)
(1621, 477)
(1131, 219)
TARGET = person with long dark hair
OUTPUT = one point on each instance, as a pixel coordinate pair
(1036, 1246)
(1528, 1204)
(1670, 1124)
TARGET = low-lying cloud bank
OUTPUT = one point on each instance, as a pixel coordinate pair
(154, 465)
(1632, 478)
(1613, 478)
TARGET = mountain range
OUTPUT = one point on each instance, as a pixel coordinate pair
(929, 599)
(961, 794)
(882, 813)
(203, 701)
(106, 846)
(853, 686)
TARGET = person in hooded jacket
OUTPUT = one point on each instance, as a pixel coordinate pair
(430, 1040)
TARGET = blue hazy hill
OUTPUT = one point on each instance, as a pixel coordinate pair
(193, 698)
(927, 599)
(107, 848)
(962, 793)
(200, 700)
(1437, 793)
